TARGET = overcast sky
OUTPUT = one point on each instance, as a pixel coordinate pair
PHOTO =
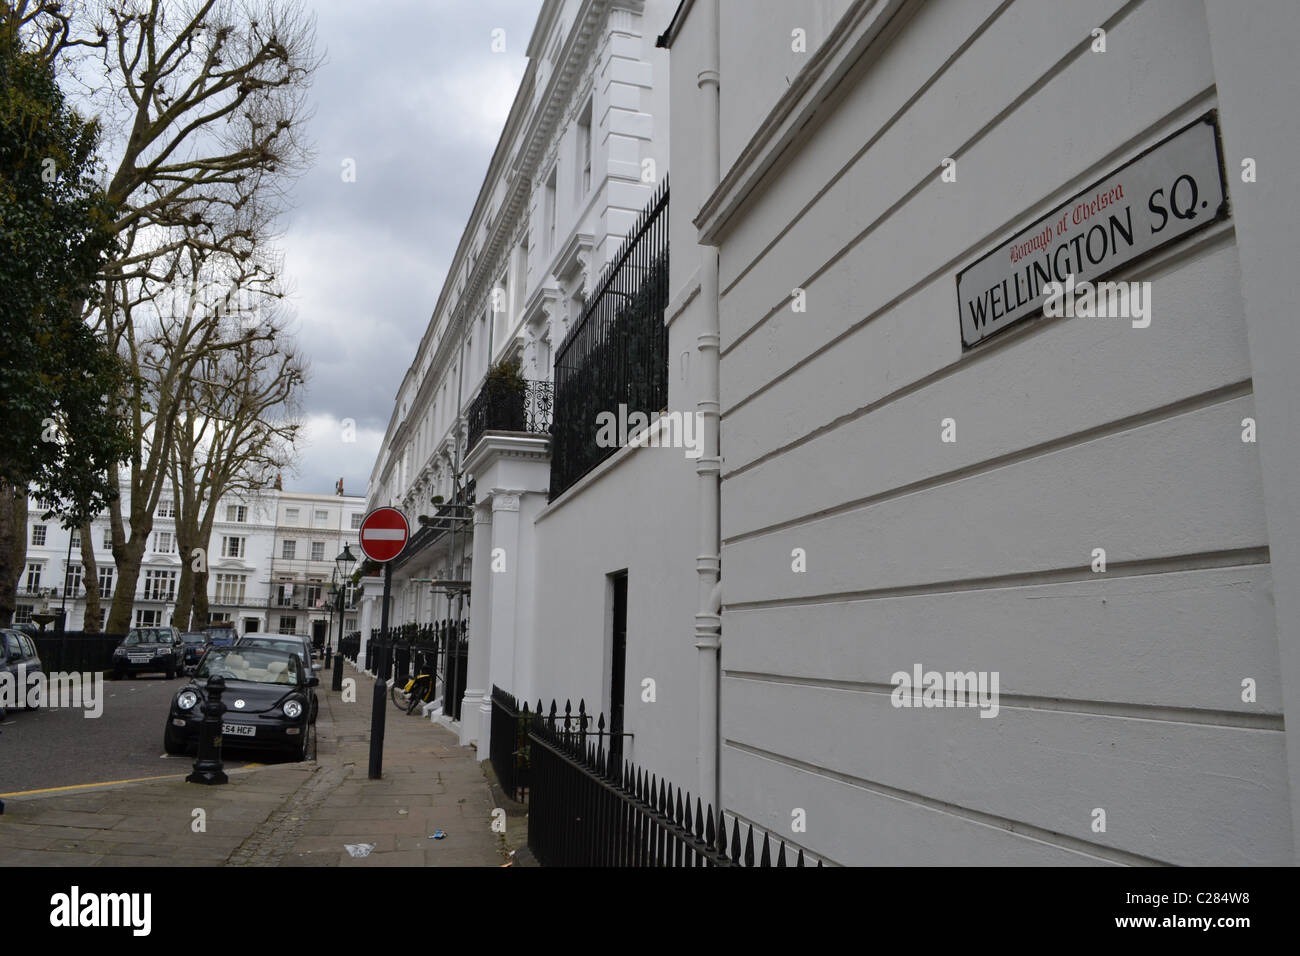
(412, 92)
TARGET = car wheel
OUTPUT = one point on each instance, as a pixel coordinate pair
(173, 742)
(305, 747)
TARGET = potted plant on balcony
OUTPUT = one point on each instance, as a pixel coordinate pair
(506, 391)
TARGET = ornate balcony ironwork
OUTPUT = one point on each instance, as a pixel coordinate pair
(502, 409)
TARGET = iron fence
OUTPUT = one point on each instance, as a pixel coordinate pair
(509, 743)
(76, 650)
(586, 809)
(497, 408)
(615, 358)
(440, 648)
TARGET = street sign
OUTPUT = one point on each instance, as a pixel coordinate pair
(383, 534)
(1173, 189)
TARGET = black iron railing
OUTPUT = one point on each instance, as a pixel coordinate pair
(617, 353)
(500, 408)
(509, 744)
(440, 648)
(588, 810)
(76, 650)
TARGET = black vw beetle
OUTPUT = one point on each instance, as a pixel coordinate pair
(268, 702)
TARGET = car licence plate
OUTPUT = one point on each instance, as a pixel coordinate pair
(140, 658)
(239, 730)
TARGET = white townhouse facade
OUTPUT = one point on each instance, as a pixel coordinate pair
(237, 557)
(583, 151)
(924, 474)
(954, 575)
(251, 582)
(311, 531)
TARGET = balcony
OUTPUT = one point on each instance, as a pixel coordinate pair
(518, 405)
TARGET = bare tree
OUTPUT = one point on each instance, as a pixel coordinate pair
(207, 98)
(237, 429)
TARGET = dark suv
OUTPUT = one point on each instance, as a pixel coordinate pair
(17, 657)
(221, 635)
(195, 644)
(150, 649)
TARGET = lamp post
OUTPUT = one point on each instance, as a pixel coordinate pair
(332, 597)
(343, 563)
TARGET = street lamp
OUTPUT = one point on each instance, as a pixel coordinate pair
(343, 563)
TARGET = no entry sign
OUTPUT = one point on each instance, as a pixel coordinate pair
(383, 534)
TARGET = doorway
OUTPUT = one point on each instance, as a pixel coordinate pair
(618, 665)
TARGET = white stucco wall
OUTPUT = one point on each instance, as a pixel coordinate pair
(1119, 691)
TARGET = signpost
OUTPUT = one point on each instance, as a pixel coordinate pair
(384, 533)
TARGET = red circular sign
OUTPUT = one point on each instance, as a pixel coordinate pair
(383, 534)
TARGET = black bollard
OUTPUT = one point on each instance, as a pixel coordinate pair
(207, 765)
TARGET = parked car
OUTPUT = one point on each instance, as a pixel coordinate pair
(195, 643)
(222, 634)
(18, 656)
(294, 643)
(146, 649)
(267, 697)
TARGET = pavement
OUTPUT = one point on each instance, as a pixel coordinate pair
(322, 812)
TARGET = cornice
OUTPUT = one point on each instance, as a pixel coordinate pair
(850, 44)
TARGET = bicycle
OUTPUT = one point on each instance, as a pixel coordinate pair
(417, 690)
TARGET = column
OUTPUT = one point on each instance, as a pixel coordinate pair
(476, 706)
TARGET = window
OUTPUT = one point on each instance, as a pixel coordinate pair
(284, 595)
(584, 152)
(23, 614)
(290, 515)
(33, 577)
(289, 549)
(108, 539)
(166, 508)
(288, 624)
(164, 543)
(322, 517)
(313, 594)
(351, 624)
(148, 618)
(159, 585)
(356, 521)
(76, 538)
(238, 513)
(548, 209)
(72, 580)
(232, 547)
(318, 550)
(230, 588)
(38, 535)
(105, 582)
